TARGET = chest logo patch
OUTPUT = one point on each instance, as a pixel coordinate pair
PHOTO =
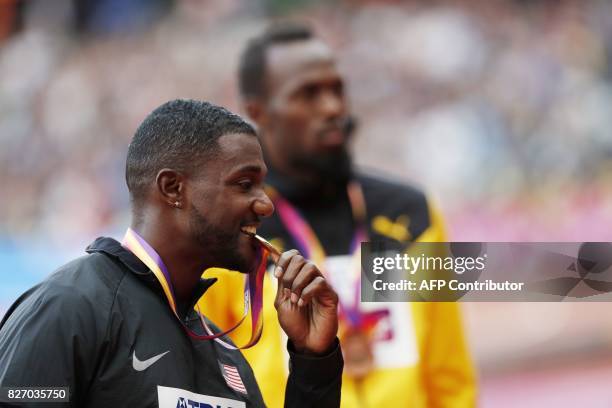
(144, 364)
(398, 230)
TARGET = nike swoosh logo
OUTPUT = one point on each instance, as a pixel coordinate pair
(143, 365)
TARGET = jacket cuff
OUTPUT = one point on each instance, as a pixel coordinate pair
(316, 369)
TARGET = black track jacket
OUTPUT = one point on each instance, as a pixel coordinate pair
(101, 326)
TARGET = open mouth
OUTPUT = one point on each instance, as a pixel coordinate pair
(249, 230)
(252, 232)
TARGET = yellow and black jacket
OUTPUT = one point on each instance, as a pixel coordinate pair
(425, 363)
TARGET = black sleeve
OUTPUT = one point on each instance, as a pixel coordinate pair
(48, 339)
(314, 381)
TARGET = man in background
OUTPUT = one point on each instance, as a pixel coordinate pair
(396, 354)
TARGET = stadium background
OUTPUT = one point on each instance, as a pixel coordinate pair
(501, 109)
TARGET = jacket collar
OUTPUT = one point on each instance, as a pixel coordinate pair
(114, 249)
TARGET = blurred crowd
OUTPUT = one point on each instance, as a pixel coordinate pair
(502, 109)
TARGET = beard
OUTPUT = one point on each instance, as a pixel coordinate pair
(221, 246)
(332, 166)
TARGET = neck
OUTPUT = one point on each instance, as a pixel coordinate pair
(305, 188)
(325, 174)
(304, 179)
(181, 260)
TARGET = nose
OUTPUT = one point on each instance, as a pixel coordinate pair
(331, 104)
(263, 206)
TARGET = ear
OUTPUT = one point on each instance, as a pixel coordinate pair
(255, 109)
(171, 187)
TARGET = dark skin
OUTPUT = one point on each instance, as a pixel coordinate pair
(302, 113)
(203, 212)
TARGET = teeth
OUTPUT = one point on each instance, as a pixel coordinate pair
(251, 230)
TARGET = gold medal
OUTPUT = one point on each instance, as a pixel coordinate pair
(357, 351)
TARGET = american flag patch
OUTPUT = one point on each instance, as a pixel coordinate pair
(232, 377)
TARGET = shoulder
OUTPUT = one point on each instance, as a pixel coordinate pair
(376, 187)
(94, 276)
(58, 329)
(82, 288)
(397, 210)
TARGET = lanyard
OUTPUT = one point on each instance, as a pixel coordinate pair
(253, 290)
(309, 245)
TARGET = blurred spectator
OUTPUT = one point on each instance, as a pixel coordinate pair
(11, 13)
(506, 104)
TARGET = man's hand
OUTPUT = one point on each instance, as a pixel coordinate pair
(306, 304)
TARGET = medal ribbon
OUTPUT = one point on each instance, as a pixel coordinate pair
(253, 290)
(308, 243)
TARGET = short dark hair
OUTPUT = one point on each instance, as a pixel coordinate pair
(177, 135)
(252, 68)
